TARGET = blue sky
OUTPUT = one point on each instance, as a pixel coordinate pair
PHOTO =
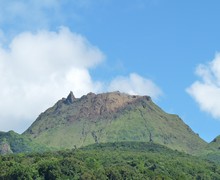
(166, 49)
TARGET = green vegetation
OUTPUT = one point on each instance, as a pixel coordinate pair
(108, 136)
(211, 151)
(125, 160)
(11, 142)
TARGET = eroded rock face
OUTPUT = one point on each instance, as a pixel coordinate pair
(93, 105)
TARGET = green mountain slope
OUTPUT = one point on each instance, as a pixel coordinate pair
(11, 142)
(111, 117)
(215, 144)
(211, 151)
(124, 160)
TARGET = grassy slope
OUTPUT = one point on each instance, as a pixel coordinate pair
(19, 143)
(211, 151)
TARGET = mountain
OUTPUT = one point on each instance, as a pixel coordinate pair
(211, 151)
(12, 142)
(215, 144)
(111, 117)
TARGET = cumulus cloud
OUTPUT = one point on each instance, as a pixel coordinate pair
(37, 69)
(206, 91)
(135, 84)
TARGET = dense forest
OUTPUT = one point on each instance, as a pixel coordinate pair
(127, 160)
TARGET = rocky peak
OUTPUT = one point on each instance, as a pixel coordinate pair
(91, 94)
(70, 98)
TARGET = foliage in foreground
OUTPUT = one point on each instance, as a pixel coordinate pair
(127, 160)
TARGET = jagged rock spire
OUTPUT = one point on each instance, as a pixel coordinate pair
(70, 98)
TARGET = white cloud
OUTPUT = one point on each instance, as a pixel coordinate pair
(37, 69)
(135, 84)
(206, 92)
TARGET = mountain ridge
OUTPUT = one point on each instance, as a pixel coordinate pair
(111, 117)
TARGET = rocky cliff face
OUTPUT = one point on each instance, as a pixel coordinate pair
(94, 106)
(110, 117)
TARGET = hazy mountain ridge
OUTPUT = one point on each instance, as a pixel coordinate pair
(12, 142)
